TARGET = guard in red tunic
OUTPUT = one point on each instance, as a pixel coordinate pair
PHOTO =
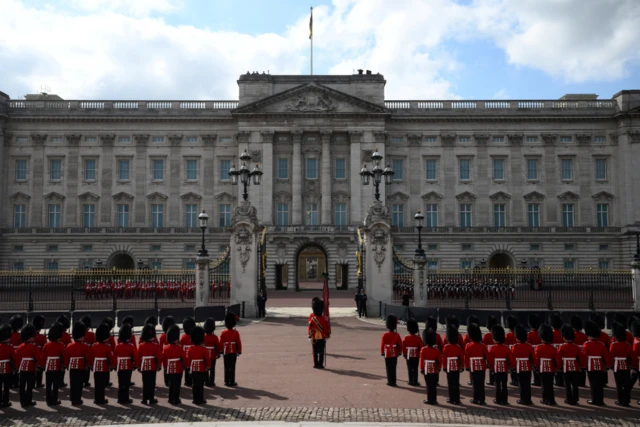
(545, 361)
(167, 322)
(101, 361)
(89, 340)
(40, 341)
(27, 358)
(622, 320)
(52, 362)
(453, 321)
(198, 363)
(432, 323)
(76, 360)
(411, 346)
(581, 338)
(604, 338)
(7, 358)
(391, 348)
(500, 362)
(522, 356)
(430, 363)
(487, 339)
(185, 341)
(318, 332)
(153, 321)
(453, 363)
(125, 355)
(533, 338)
(598, 360)
(471, 319)
(149, 361)
(621, 355)
(510, 341)
(212, 344)
(231, 349)
(66, 324)
(174, 359)
(556, 323)
(475, 361)
(16, 322)
(569, 361)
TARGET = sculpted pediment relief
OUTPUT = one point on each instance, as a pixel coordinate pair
(398, 196)
(88, 196)
(282, 196)
(340, 196)
(603, 196)
(311, 98)
(466, 197)
(191, 195)
(432, 196)
(54, 196)
(224, 196)
(19, 196)
(568, 196)
(500, 195)
(157, 195)
(534, 196)
(122, 196)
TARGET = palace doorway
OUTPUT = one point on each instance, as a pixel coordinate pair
(121, 261)
(311, 264)
(501, 260)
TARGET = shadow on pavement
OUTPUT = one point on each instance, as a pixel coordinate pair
(344, 356)
(246, 393)
(351, 373)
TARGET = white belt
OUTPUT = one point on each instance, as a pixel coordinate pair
(48, 359)
(72, 359)
(593, 358)
(4, 361)
(452, 362)
(197, 362)
(543, 360)
(410, 351)
(123, 358)
(565, 360)
(616, 363)
(427, 364)
(495, 363)
(27, 360)
(472, 359)
(518, 359)
(95, 361)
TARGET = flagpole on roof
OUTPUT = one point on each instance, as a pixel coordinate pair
(311, 39)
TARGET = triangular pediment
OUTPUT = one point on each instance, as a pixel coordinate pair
(191, 195)
(534, 196)
(157, 195)
(398, 196)
(568, 196)
(432, 196)
(603, 195)
(122, 196)
(224, 196)
(466, 196)
(500, 195)
(53, 195)
(311, 98)
(19, 195)
(88, 196)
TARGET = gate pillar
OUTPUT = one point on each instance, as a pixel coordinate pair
(378, 256)
(243, 267)
(419, 287)
(203, 284)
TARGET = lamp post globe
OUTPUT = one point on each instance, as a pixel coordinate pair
(419, 218)
(203, 218)
(244, 175)
(377, 173)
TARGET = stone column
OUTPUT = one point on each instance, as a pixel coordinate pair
(267, 179)
(420, 291)
(326, 179)
(355, 165)
(174, 179)
(106, 184)
(244, 257)
(5, 137)
(141, 178)
(202, 281)
(635, 271)
(378, 256)
(296, 179)
(36, 171)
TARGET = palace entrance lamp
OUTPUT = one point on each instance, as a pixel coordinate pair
(419, 218)
(245, 174)
(377, 173)
(202, 219)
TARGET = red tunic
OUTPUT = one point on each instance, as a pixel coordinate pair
(453, 358)
(52, 356)
(15, 340)
(7, 358)
(533, 338)
(557, 338)
(40, 341)
(411, 346)
(510, 339)
(604, 339)
(66, 338)
(581, 338)
(185, 342)
(476, 356)
(635, 354)
(487, 339)
(89, 338)
(230, 342)
(390, 345)
(628, 338)
(597, 356)
(522, 355)
(621, 355)
(27, 357)
(569, 358)
(500, 359)
(163, 340)
(318, 327)
(101, 358)
(112, 342)
(430, 360)
(76, 356)
(125, 355)
(465, 340)
(173, 359)
(133, 341)
(439, 343)
(198, 359)
(212, 344)
(545, 358)
(460, 341)
(149, 357)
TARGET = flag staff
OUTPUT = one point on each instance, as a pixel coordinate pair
(311, 39)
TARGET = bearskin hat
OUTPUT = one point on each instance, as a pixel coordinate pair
(38, 322)
(598, 320)
(148, 332)
(109, 321)
(5, 333)
(555, 321)
(230, 320)
(151, 320)
(127, 320)
(621, 319)
(391, 322)
(474, 332)
(27, 332)
(491, 322)
(631, 320)
(520, 333)
(473, 319)
(453, 321)
(197, 335)
(546, 333)
(497, 333)
(412, 326)
(568, 333)
(87, 321)
(103, 332)
(78, 331)
(576, 323)
(317, 306)
(16, 322)
(124, 334)
(429, 337)
(167, 322)
(511, 323)
(55, 332)
(619, 332)
(534, 322)
(592, 329)
(209, 325)
(635, 329)
(452, 335)
(64, 321)
(173, 334)
(431, 323)
(188, 324)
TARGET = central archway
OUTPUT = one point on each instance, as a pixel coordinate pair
(311, 262)
(501, 260)
(121, 261)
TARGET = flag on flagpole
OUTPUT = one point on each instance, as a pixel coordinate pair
(311, 25)
(325, 297)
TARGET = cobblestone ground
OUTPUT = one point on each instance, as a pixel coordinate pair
(277, 383)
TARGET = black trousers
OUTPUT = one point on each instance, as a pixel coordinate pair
(197, 388)
(559, 379)
(413, 365)
(76, 378)
(623, 386)
(572, 386)
(6, 381)
(124, 382)
(166, 378)
(596, 384)
(318, 352)
(453, 381)
(432, 387)
(262, 312)
(391, 364)
(100, 379)
(514, 378)
(230, 368)
(502, 395)
(583, 378)
(175, 381)
(211, 374)
(39, 374)
(477, 378)
(362, 309)
(87, 378)
(148, 385)
(536, 379)
(27, 381)
(524, 384)
(492, 380)
(16, 380)
(187, 379)
(546, 381)
(52, 384)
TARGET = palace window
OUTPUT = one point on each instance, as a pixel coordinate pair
(158, 169)
(602, 211)
(21, 170)
(397, 215)
(465, 169)
(341, 169)
(499, 215)
(90, 170)
(396, 165)
(225, 215)
(533, 215)
(340, 214)
(54, 216)
(431, 215)
(157, 216)
(498, 169)
(567, 214)
(532, 169)
(567, 169)
(312, 214)
(283, 168)
(191, 216)
(601, 169)
(123, 170)
(19, 216)
(89, 216)
(123, 215)
(312, 169)
(603, 264)
(52, 265)
(225, 166)
(55, 169)
(432, 172)
(282, 214)
(192, 170)
(465, 215)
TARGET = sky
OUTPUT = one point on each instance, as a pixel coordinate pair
(426, 49)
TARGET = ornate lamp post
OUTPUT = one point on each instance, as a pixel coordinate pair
(245, 174)
(202, 219)
(377, 173)
(419, 224)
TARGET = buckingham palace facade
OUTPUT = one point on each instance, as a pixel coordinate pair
(554, 183)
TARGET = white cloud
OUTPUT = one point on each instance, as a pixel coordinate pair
(501, 94)
(127, 7)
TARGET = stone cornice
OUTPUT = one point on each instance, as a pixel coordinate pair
(242, 137)
(209, 139)
(175, 140)
(107, 140)
(515, 138)
(38, 138)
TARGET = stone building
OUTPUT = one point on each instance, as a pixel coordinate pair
(552, 182)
